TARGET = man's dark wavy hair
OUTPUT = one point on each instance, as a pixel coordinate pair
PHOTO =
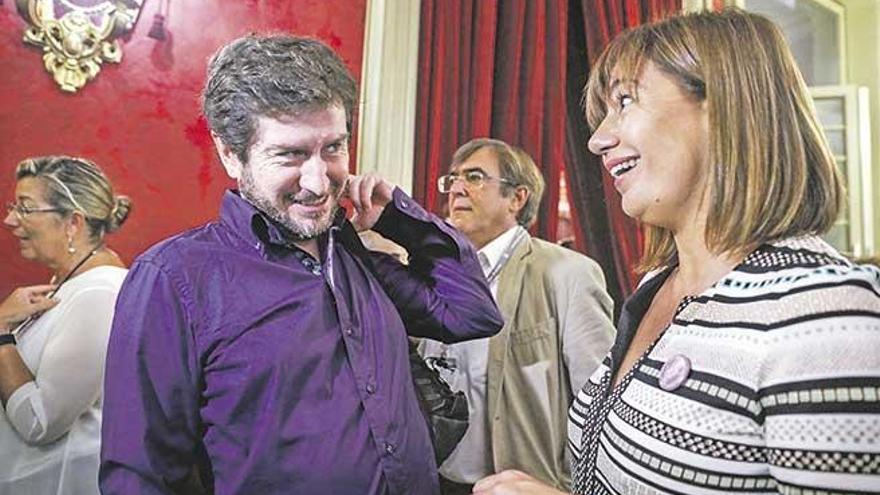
(268, 75)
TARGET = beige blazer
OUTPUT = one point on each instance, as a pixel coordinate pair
(557, 330)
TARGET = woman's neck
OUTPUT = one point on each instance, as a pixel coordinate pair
(78, 262)
(698, 266)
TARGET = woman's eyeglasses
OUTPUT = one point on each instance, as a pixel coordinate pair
(23, 211)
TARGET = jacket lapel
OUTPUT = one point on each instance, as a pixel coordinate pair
(510, 284)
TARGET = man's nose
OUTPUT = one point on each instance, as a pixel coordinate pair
(313, 175)
(457, 188)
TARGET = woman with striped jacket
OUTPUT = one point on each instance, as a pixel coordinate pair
(748, 360)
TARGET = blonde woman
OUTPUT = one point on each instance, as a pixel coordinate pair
(53, 337)
(748, 360)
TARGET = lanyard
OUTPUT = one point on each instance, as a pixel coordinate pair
(32, 318)
(508, 252)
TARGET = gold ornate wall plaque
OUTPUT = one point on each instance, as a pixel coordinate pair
(78, 36)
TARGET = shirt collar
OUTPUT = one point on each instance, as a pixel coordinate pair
(493, 251)
(254, 225)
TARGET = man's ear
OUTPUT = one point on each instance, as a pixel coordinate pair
(518, 199)
(228, 158)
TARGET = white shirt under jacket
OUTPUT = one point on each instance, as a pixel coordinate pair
(472, 459)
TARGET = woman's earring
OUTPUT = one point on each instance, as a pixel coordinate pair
(70, 248)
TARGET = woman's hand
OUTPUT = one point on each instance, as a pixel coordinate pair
(24, 302)
(513, 482)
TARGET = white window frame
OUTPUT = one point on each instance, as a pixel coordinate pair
(857, 163)
(389, 84)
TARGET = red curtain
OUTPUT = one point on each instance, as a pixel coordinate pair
(515, 70)
(601, 227)
(496, 69)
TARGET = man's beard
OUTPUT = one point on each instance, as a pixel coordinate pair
(297, 230)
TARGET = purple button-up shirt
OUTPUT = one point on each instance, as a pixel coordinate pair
(235, 354)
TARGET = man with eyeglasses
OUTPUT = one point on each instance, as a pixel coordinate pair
(266, 351)
(519, 383)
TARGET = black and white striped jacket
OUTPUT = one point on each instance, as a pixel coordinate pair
(782, 396)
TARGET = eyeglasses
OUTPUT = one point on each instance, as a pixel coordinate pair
(23, 211)
(473, 179)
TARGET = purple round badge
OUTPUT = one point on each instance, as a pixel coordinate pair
(674, 372)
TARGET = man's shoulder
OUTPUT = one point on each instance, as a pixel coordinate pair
(182, 248)
(553, 255)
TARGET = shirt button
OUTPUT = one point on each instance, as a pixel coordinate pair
(371, 388)
(404, 205)
(389, 447)
(349, 331)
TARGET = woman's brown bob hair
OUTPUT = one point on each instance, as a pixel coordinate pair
(771, 173)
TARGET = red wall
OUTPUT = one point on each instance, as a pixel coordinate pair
(140, 120)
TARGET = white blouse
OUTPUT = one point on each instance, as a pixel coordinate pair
(50, 432)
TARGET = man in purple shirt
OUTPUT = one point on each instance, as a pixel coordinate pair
(265, 352)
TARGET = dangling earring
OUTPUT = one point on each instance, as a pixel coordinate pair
(70, 248)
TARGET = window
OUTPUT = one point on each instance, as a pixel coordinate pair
(816, 32)
(843, 114)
